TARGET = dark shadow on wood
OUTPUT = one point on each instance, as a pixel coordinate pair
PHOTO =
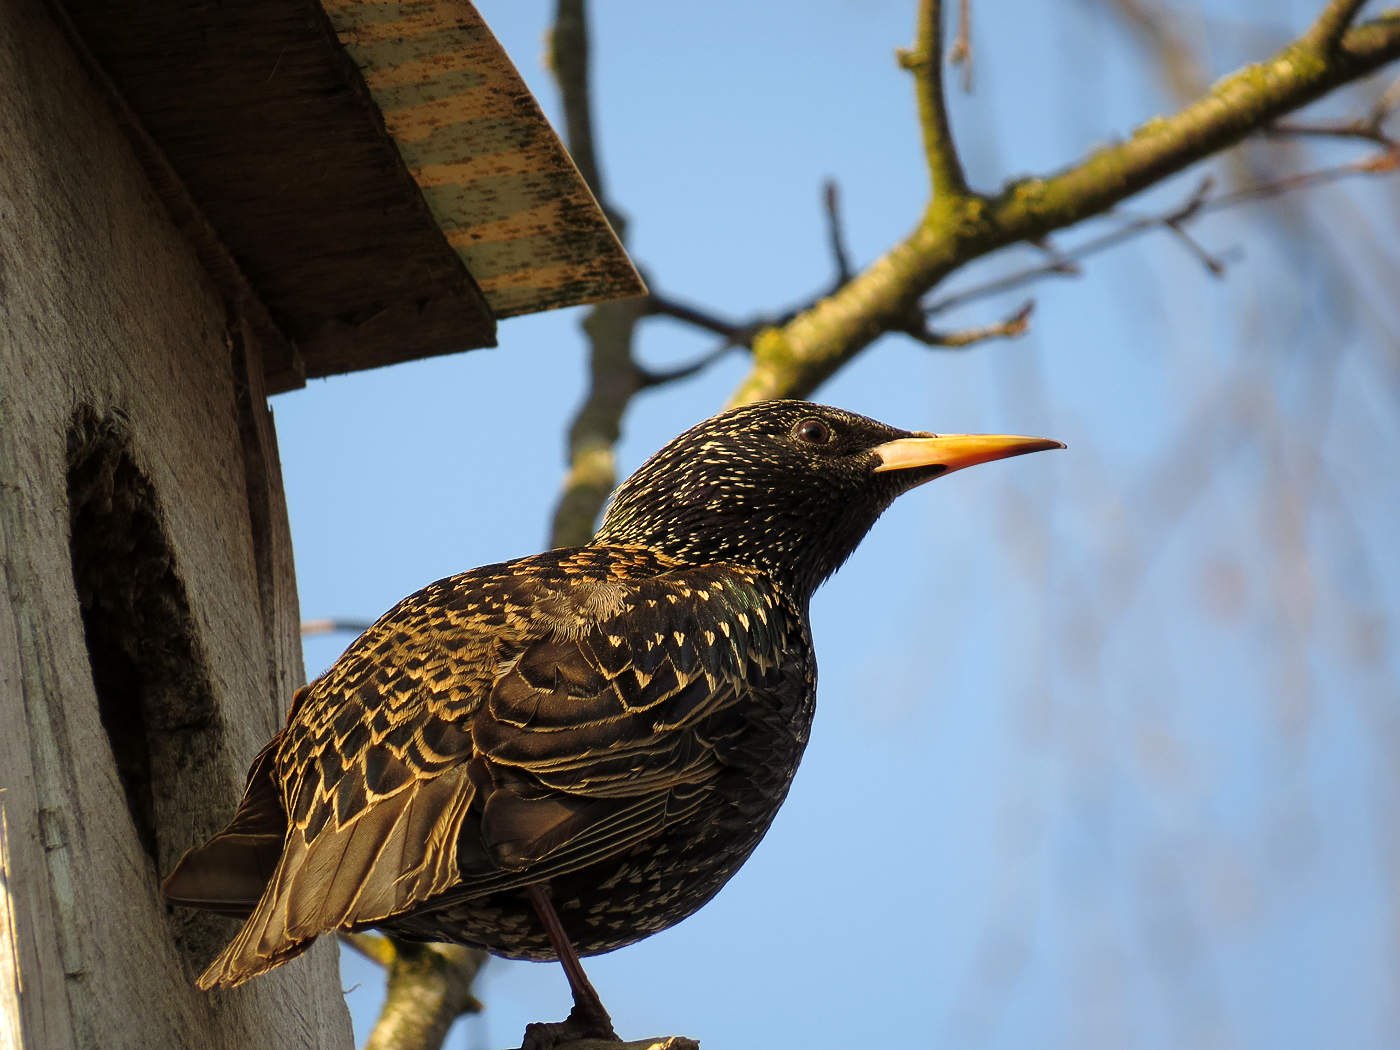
(148, 669)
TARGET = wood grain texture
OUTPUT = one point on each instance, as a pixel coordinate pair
(104, 307)
(493, 172)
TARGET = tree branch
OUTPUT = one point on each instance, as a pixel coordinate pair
(430, 986)
(792, 360)
(733, 332)
(960, 54)
(613, 373)
(835, 231)
(650, 379)
(568, 59)
(1007, 328)
(1336, 17)
(737, 333)
(925, 61)
(1386, 104)
(1066, 264)
(1369, 130)
(332, 626)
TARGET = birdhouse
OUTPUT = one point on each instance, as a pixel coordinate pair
(202, 205)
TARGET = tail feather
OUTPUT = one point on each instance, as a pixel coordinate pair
(263, 943)
(395, 853)
(229, 873)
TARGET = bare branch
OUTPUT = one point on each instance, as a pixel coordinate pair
(831, 199)
(1057, 261)
(960, 54)
(1214, 264)
(568, 57)
(613, 374)
(1017, 324)
(1065, 264)
(1368, 130)
(925, 61)
(732, 332)
(650, 379)
(1335, 19)
(1382, 163)
(1176, 221)
(1386, 104)
(329, 626)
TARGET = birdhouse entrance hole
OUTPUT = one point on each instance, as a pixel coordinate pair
(148, 672)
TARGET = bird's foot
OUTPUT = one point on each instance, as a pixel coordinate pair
(580, 1024)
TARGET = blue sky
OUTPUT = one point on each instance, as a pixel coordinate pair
(1105, 748)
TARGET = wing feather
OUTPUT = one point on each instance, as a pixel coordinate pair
(497, 729)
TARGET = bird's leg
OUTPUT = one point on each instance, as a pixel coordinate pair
(588, 1019)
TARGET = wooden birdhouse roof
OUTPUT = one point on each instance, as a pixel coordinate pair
(374, 181)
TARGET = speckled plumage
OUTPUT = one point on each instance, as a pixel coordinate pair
(617, 722)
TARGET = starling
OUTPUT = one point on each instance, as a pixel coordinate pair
(559, 755)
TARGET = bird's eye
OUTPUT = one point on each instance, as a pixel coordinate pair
(812, 431)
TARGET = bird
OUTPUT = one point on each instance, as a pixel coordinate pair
(559, 755)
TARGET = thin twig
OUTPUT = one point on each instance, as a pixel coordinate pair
(1065, 263)
(960, 54)
(649, 378)
(1214, 264)
(1368, 130)
(330, 626)
(1017, 324)
(1175, 223)
(735, 333)
(1388, 102)
(835, 231)
(1057, 261)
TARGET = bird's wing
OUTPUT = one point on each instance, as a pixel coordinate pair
(496, 729)
(590, 741)
(367, 776)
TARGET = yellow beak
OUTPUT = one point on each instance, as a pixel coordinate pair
(955, 451)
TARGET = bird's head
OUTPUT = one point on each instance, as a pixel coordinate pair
(788, 487)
